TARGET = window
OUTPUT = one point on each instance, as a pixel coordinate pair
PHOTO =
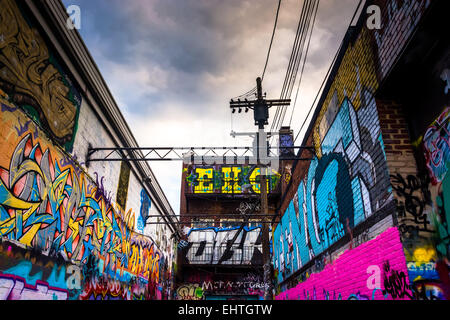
(230, 223)
(254, 223)
(197, 223)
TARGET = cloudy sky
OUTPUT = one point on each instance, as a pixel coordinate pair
(173, 65)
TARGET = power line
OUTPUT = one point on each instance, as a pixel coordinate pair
(328, 73)
(305, 24)
(271, 40)
(301, 55)
(320, 89)
(253, 91)
(299, 52)
(304, 62)
(296, 55)
(291, 59)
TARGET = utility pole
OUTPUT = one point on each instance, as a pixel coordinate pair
(196, 155)
(260, 108)
(265, 239)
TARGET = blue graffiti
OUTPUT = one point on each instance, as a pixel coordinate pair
(55, 279)
(143, 213)
(221, 229)
(341, 188)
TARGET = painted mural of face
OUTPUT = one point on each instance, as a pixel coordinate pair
(28, 75)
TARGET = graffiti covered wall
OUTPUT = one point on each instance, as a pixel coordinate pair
(376, 270)
(348, 186)
(48, 204)
(426, 214)
(348, 181)
(204, 287)
(33, 79)
(227, 180)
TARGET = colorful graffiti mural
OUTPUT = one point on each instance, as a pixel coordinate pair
(202, 287)
(144, 210)
(16, 288)
(228, 180)
(342, 188)
(376, 270)
(48, 205)
(28, 275)
(356, 80)
(32, 78)
(435, 145)
(349, 182)
(189, 292)
(209, 246)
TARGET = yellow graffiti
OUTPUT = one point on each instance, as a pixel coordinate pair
(257, 186)
(191, 291)
(356, 70)
(424, 255)
(231, 173)
(37, 191)
(205, 183)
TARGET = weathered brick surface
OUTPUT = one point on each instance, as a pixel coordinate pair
(397, 142)
(361, 141)
(352, 275)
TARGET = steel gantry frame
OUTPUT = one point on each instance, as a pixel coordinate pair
(193, 155)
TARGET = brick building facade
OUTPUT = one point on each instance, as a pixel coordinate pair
(366, 219)
(220, 257)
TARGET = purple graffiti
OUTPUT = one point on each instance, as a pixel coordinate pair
(22, 128)
(8, 108)
(15, 288)
(101, 191)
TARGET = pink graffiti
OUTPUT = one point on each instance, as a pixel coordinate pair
(347, 277)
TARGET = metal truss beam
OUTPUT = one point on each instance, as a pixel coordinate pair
(194, 155)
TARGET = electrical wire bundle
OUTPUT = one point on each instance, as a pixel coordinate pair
(299, 53)
(253, 91)
(358, 8)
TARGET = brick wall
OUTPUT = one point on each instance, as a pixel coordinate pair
(362, 143)
(348, 182)
(397, 143)
(399, 21)
(376, 270)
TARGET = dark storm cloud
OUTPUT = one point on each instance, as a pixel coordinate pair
(189, 40)
(173, 65)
